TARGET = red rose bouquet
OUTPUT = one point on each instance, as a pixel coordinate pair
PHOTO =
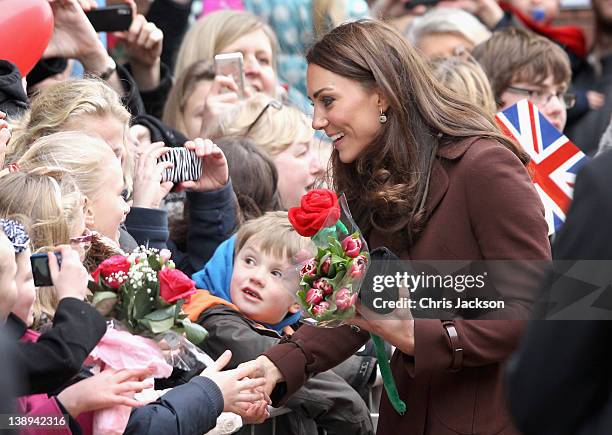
(146, 292)
(329, 282)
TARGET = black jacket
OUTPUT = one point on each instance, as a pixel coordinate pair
(13, 98)
(59, 353)
(559, 383)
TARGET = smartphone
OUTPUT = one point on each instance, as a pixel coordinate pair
(114, 18)
(232, 65)
(186, 165)
(413, 3)
(40, 269)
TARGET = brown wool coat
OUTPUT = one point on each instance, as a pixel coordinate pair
(482, 206)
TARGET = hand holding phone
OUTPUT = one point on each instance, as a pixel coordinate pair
(69, 278)
(40, 268)
(186, 165)
(231, 65)
(114, 18)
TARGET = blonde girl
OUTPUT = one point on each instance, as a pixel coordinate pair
(285, 134)
(48, 199)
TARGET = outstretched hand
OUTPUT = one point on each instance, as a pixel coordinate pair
(237, 386)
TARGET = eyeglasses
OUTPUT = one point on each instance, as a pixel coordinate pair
(83, 241)
(272, 103)
(542, 99)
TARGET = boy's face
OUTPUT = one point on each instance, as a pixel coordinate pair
(546, 96)
(257, 285)
(26, 292)
(542, 11)
(8, 270)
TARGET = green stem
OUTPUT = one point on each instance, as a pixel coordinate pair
(387, 376)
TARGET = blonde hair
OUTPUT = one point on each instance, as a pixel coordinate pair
(84, 157)
(210, 35)
(56, 105)
(447, 20)
(174, 110)
(466, 78)
(274, 234)
(47, 199)
(274, 131)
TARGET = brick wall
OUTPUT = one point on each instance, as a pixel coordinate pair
(578, 17)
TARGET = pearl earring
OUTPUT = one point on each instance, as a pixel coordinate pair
(382, 118)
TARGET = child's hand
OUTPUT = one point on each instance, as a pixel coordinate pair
(215, 173)
(108, 388)
(70, 280)
(148, 187)
(238, 390)
(256, 412)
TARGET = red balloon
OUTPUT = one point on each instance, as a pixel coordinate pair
(25, 29)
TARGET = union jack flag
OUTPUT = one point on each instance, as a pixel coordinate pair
(555, 160)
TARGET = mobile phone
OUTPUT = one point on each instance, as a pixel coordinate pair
(114, 18)
(40, 269)
(232, 65)
(186, 165)
(413, 3)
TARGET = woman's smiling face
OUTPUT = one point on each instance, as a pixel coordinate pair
(345, 110)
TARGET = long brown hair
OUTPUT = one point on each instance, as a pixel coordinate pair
(387, 184)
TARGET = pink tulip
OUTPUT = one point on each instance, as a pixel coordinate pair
(344, 299)
(320, 309)
(351, 246)
(314, 296)
(323, 285)
(358, 267)
(309, 269)
(325, 266)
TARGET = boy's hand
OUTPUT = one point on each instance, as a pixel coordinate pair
(238, 390)
(215, 173)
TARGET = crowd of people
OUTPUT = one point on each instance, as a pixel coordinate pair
(389, 102)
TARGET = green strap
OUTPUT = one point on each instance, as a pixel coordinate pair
(387, 376)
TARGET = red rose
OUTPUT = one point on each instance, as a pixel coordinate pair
(175, 285)
(318, 208)
(113, 271)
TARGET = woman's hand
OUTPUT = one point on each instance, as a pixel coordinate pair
(222, 97)
(262, 366)
(143, 41)
(396, 328)
(257, 412)
(108, 388)
(237, 387)
(149, 190)
(215, 173)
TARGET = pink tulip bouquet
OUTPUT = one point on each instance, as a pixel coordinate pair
(329, 282)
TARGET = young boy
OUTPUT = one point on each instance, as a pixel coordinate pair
(521, 64)
(249, 317)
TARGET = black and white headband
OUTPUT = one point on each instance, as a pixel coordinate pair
(16, 233)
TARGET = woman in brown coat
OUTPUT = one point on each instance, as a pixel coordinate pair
(428, 175)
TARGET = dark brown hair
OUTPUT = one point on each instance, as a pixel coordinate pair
(387, 184)
(518, 55)
(253, 175)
